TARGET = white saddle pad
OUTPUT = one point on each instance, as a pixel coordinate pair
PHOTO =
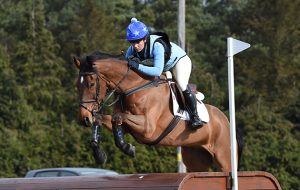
(201, 108)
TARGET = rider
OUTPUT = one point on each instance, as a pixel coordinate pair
(164, 58)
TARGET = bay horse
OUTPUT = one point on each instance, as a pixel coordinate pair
(142, 108)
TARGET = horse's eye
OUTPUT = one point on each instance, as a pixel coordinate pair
(92, 84)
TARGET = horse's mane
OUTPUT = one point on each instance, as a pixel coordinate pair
(86, 61)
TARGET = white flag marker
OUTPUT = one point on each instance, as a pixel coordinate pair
(233, 47)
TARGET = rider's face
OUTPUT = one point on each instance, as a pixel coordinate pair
(138, 45)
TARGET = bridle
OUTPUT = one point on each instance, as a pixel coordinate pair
(113, 87)
(104, 103)
(96, 99)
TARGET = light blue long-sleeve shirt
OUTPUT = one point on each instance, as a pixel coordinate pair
(157, 53)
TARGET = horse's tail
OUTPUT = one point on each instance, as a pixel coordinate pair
(240, 143)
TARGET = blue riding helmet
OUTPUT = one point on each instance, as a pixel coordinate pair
(136, 30)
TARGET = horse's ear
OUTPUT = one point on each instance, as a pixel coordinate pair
(76, 62)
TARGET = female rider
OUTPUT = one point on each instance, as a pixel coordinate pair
(145, 46)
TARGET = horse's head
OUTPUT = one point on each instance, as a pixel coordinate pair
(89, 84)
(98, 73)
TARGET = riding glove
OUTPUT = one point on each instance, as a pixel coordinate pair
(133, 64)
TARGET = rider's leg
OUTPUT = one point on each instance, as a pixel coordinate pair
(181, 72)
(191, 104)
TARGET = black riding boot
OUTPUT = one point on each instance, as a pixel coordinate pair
(191, 106)
(121, 143)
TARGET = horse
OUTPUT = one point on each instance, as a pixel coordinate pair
(142, 108)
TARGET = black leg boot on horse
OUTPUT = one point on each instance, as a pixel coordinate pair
(191, 106)
(120, 142)
(99, 155)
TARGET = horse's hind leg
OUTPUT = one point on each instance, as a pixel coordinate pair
(196, 159)
(223, 159)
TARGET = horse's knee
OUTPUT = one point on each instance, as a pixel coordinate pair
(117, 119)
(149, 132)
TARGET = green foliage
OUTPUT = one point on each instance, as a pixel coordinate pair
(38, 106)
(267, 91)
(269, 145)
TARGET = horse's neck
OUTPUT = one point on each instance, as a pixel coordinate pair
(116, 71)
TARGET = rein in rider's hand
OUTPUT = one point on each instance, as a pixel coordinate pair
(133, 62)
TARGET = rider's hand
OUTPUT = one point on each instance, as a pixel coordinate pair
(133, 64)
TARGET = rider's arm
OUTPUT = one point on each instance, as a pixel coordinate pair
(159, 56)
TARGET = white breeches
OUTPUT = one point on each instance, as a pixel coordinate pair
(182, 71)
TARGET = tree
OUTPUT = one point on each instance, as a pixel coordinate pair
(266, 89)
(38, 103)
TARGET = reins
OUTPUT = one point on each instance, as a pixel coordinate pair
(149, 84)
(100, 105)
(107, 97)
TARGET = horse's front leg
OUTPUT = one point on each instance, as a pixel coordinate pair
(118, 132)
(98, 153)
(105, 120)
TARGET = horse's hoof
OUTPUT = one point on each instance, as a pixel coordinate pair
(99, 155)
(130, 150)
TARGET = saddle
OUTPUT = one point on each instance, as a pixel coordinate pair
(178, 93)
(179, 102)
